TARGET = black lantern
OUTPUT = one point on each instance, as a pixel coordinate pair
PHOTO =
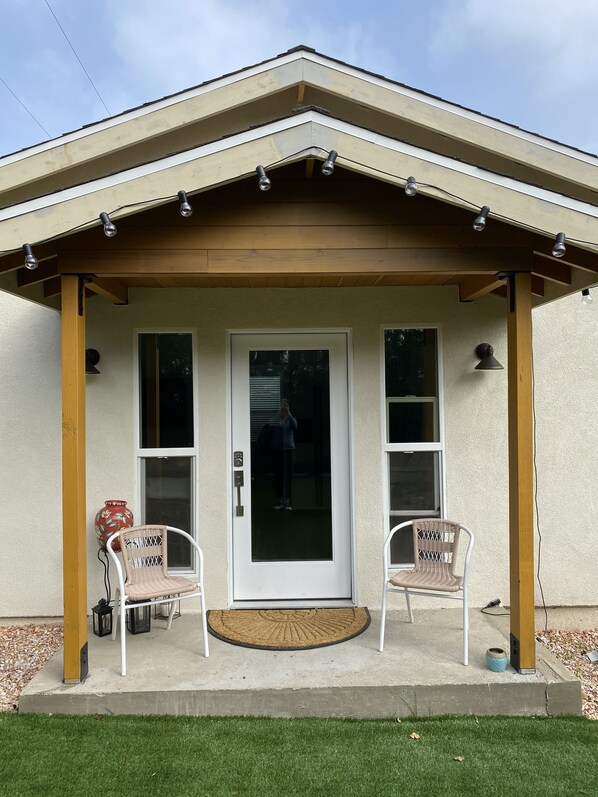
(102, 618)
(139, 619)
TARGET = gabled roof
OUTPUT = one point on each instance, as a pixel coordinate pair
(299, 105)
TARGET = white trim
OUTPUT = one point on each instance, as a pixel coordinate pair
(314, 120)
(320, 60)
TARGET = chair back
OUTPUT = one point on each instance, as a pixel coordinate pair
(144, 553)
(435, 544)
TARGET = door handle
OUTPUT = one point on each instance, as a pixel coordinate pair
(238, 482)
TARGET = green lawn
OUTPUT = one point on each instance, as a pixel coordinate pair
(177, 756)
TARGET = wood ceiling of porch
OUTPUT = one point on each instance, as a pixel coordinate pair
(307, 231)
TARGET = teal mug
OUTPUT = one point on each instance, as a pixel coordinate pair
(496, 659)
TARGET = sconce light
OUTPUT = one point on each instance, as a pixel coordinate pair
(488, 361)
(92, 358)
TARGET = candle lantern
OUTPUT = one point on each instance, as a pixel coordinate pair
(102, 618)
(139, 619)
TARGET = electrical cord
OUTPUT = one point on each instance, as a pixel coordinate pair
(494, 604)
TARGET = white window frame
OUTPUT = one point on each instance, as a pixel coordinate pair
(191, 453)
(409, 448)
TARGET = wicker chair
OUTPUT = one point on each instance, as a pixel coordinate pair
(146, 581)
(435, 545)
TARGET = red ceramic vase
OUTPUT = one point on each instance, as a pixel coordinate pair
(114, 516)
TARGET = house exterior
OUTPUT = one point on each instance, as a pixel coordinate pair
(288, 373)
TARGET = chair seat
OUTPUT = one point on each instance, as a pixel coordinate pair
(159, 587)
(441, 581)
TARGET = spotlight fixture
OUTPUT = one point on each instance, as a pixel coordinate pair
(264, 181)
(479, 223)
(109, 228)
(30, 258)
(92, 358)
(185, 209)
(411, 186)
(488, 361)
(328, 165)
(586, 296)
(558, 249)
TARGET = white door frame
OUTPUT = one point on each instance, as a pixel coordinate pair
(343, 518)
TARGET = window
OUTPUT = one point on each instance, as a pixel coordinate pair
(412, 434)
(166, 439)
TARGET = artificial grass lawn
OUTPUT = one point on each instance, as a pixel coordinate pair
(178, 756)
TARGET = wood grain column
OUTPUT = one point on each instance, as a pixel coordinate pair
(73, 480)
(521, 473)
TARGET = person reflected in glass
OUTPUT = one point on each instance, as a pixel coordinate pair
(282, 444)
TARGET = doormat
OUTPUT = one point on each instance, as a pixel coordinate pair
(287, 629)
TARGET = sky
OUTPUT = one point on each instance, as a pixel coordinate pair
(531, 63)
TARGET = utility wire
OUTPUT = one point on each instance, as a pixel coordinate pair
(22, 104)
(76, 56)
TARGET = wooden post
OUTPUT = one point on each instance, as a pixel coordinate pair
(73, 480)
(521, 474)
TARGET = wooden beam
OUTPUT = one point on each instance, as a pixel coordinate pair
(521, 473)
(74, 524)
(537, 284)
(44, 271)
(52, 287)
(552, 270)
(578, 258)
(111, 289)
(309, 168)
(300, 93)
(294, 261)
(472, 288)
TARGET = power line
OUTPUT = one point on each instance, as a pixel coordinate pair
(77, 57)
(22, 104)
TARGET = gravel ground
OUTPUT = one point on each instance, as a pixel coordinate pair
(24, 649)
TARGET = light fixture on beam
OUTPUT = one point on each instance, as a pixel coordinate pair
(488, 361)
(92, 358)
(411, 186)
(479, 223)
(558, 248)
(109, 228)
(264, 181)
(328, 165)
(185, 208)
(30, 259)
(586, 296)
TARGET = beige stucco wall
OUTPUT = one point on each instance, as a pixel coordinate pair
(475, 416)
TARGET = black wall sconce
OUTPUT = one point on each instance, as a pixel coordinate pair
(92, 358)
(488, 361)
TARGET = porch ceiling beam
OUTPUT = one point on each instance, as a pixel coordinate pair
(472, 288)
(578, 258)
(45, 270)
(296, 261)
(111, 289)
(521, 473)
(537, 287)
(52, 287)
(552, 270)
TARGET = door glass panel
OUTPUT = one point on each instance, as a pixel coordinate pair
(291, 515)
(166, 500)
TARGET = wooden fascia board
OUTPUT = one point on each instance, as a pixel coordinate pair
(362, 151)
(134, 128)
(401, 102)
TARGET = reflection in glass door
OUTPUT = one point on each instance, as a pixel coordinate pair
(291, 538)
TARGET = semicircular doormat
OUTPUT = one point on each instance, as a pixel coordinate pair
(287, 629)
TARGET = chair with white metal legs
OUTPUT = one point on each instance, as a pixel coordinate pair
(146, 581)
(435, 544)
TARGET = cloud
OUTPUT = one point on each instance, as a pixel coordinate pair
(555, 41)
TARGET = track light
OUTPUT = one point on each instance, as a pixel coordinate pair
(109, 228)
(185, 209)
(586, 296)
(264, 181)
(30, 258)
(411, 186)
(328, 165)
(479, 223)
(558, 249)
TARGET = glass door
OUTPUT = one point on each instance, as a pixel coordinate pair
(290, 467)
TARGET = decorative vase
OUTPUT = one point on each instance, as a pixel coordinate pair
(114, 516)
(496, 659)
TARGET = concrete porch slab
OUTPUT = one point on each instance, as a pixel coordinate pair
(420, 673)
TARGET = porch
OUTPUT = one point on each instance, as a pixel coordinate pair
(419, 674)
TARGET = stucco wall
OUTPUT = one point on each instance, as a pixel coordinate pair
(475, 415)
